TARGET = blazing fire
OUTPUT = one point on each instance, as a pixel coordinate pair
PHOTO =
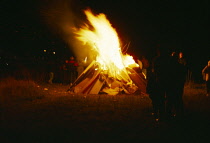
(104, 41)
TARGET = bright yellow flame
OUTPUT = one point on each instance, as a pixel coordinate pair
(128, 61)
(103, 38)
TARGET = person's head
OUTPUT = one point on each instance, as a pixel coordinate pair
(209, 63)
(173, 53)
(71, 58)
(180, 55)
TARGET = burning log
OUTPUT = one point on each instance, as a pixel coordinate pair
(138, 79)
(95, 81)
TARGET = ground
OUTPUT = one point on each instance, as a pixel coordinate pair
(61, 117)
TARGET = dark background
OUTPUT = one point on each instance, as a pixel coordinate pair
(145, 25)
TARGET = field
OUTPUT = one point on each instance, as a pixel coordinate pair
(45, 113)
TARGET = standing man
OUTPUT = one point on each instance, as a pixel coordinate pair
(206, 73)
(177, 72)
(181, 59)
(72, 68)
(181, 79)
(161, 69)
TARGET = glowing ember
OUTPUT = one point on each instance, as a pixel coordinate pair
(103, 38)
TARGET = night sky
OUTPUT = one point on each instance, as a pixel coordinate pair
(26, 28)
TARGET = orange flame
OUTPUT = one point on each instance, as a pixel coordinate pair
(103, 39)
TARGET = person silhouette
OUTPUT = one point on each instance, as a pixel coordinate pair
(206, 73)
(160, 69)
(72, 68)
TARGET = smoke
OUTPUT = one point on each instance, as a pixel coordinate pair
(62, 17)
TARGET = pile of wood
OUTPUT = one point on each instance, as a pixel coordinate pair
(94, 80)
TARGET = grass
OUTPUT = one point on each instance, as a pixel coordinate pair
(12, 90)
(42, 113)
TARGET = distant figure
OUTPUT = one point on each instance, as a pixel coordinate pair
(183, 62)
(160, 69)
(51, 72)
(206, 73)
(145, 65)
(72, 69)
(51, 77)
(181, 59)
(177, 72)
(183, 69)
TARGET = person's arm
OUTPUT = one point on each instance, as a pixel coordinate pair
(204, 69)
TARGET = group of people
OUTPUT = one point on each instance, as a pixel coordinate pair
(166, 79)
(71, 70)
(66, 72)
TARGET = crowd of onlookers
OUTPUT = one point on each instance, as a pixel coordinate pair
(42, 69)
(166, 80)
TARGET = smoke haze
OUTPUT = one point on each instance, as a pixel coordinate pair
(62, 17)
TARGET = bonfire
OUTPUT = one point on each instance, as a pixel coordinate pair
(111, 72)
